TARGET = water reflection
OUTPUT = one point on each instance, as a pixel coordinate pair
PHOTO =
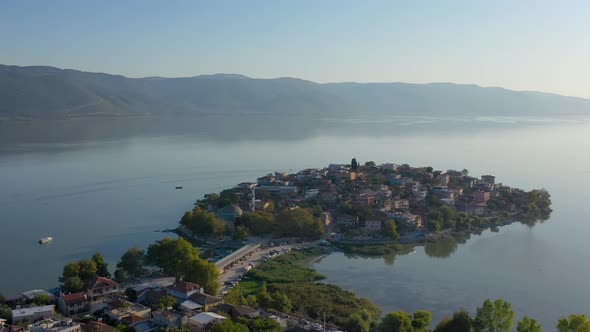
(443, 248)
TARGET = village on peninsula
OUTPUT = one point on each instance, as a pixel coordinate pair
(241, 260)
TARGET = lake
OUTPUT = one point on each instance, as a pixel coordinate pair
(106, 185)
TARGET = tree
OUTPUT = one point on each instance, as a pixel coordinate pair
(2, 298)
(88, 269)
(263, 298)
(166, 301)
(460, 322)
(281, 302)
(234, 296)
(527, 324)
(229, 326)
(370, 163)
(359, 321)
(5, 312)
(200, 271)
(421, 321)
(494, 316)
(573, 323)
(131, 263)
(241, 233)
(259, 222)
(398, 321)
(102, 268)
(170, 255)
(390, 229)
(73, 284)
(42, 299)
(449, 216)
(433, 225)
(299, 222)
(264, 325)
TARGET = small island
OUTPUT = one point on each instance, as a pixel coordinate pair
(354, 205)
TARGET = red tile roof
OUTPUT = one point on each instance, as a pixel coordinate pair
(184, 286)
(100, 282)
(74, 298)
(132, 319)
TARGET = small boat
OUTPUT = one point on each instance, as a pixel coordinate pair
(179, 187)
(45, 240)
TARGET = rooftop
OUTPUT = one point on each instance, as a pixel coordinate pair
(205, 318)
(24, 312)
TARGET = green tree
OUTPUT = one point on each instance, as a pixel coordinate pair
(370, 163)
(359, 321)
(496, 316)
(170, 255)
(573, 323)
(460, 322)
(422, 320)
(102, 268)
(259, 222)
(229, 326)
(263, 297)
(5, 312)
(2, 298)
(235, 296)
(264, 325)
(88, 270)
(433, 225)
(42, 299)
(390, 229)
(73, 284)
(241, 233)
(527, 324)
(131, 263)
(281, 302)
(398, 321)
(448, 215)
(299, 222)
(200, 271)
(166, 301)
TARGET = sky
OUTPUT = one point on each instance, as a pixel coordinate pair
(536, 45)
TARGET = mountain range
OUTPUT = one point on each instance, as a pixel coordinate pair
(41, 92)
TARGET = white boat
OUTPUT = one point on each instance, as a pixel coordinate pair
(45, 240)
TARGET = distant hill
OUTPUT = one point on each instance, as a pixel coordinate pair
(51, 93)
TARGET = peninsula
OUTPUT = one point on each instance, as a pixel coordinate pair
(363, 204)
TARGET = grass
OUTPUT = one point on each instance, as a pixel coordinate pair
(287, 268)
(370, 249)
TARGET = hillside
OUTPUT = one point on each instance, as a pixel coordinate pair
(52, 93)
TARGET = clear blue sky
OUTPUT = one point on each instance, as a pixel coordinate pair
(519, 44)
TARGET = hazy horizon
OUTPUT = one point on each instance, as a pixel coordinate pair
(529, 45)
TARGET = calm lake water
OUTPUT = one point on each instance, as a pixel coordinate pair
(108, 185)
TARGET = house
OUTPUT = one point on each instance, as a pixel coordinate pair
(151, 296)
(121, 309)
(373, 225)
(443, 179)
(401, 204)
(229, 212)
(169, 319)
(205, 300)
(490, 179)
(190, 308)
(93, 326)
(55, 325)
(472, 208)
(101, 287)
(409, 218)
(203, 321)
(33, 313)
(182, 290)
(346, 219)
(481, 196)
(73, 303)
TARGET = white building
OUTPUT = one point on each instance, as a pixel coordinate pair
(204, 320)
(55, 325)
(33, 313)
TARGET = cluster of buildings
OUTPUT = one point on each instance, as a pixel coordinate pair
(108, 305)
(367, 196)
